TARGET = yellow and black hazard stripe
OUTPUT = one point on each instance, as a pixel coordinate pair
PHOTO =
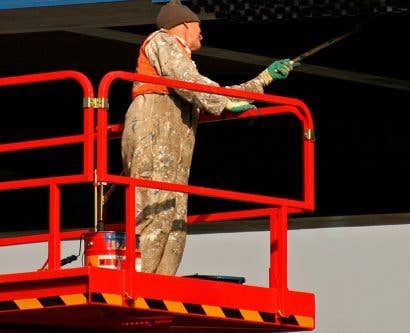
(43, 302)
(221, 312)
(105, 298)
(155, 304)
(60, 300)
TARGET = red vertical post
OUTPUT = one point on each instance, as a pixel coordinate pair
(54, 240)
(102, 143)
(278, 277)
(88, 154)
(130, 211)
(309, 172)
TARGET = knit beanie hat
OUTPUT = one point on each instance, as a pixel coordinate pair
(174, 13)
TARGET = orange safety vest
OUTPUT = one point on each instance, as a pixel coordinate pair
(144, 67)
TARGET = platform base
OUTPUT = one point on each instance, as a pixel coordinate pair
(93, 299)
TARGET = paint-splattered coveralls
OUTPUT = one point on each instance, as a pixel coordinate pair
(158, 142)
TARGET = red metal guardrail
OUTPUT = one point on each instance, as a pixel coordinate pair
(281, 207)
(54, 235)
(277, 210)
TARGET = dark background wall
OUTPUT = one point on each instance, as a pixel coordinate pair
(362, 151)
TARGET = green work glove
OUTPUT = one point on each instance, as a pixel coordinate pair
(239, 106)
(278, 70)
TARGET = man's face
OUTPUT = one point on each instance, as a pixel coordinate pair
(193, 35)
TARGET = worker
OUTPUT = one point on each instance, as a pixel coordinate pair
(159, 131)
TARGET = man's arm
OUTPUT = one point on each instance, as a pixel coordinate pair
(167, 57)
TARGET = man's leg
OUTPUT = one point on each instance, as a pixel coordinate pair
(154, 225)
(175, 243)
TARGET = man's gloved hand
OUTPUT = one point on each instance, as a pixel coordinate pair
(278, 70)
(239, 106)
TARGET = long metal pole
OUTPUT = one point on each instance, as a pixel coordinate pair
(328, 43)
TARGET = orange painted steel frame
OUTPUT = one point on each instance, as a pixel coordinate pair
(126, 286)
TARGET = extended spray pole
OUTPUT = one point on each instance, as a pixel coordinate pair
(326, 44)
(321, 47)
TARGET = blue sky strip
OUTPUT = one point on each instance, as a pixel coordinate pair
(15, 4)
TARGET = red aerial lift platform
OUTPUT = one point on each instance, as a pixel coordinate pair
(96, 299)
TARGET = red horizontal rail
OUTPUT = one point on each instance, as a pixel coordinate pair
(115, 130)
(43, 237)
(45, 275)
(206, 191)
(41, 143)
(235, 215)
(50, 76)
(226, 216)
(41, 182)
(217, 217)
(255, 113)
(273, 99)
